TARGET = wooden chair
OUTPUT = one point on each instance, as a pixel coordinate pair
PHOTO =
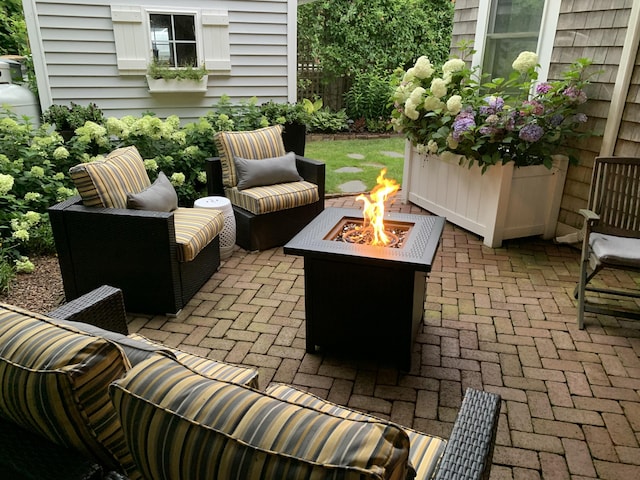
(611, 235)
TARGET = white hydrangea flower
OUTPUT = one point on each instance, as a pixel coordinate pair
(438, 87)
(6, 183)
(24, 265)
(432, 146)
(454, 104)
(525, 61)
(60, 153)
(177, 179)
(423, 68)
(452, 66)
(432, 104)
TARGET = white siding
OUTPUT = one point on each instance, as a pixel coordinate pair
(75, 54)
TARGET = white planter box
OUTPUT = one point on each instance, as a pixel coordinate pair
(160, 85)
(506, 202)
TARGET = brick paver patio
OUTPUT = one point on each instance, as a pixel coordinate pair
(502, 320)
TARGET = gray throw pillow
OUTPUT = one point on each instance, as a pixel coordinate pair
(159, 197)
(266, 171)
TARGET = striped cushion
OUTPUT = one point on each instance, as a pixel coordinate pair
(255, 145)
(53, 382)
(424, 452)
(207, 367)
(272, 198)
(105, 183)
(195, 228)
(194, 428)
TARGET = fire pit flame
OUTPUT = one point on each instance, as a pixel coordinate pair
(373, 210)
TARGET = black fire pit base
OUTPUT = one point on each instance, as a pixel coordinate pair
(363, 298)
(374, 311)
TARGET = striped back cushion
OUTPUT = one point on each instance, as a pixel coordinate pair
(195, 428)
(272, 198)
(54, 382)
(195, 228)
(206, 366)
(105, 183)
(254, 145)
(425, 450)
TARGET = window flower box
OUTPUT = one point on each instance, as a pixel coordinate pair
(503, 203)
(174, 85)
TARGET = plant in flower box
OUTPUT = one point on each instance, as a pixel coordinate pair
(488, 121)
(509, 132)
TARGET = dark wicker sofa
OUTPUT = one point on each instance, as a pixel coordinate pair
(24, 455)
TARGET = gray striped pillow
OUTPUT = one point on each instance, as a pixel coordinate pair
(179, 424)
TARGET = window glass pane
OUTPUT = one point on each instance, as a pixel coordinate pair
(517, 16)
(514, 26)
(501, 52)
(186, 53)
(161, 35)
(184, 27)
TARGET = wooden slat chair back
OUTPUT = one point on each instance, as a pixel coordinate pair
(611, 234)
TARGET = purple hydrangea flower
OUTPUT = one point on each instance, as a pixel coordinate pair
(575, 94)
(464, 121)
(556, 120)
(494, 105)
(531, 133)
(543, 88)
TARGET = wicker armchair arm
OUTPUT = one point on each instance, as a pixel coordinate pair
(469, 451)
(102, 307)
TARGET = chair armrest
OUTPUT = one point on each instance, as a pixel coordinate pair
(469, 451)
(213, 169)
(312, 171)
(589, 215)
(102, 307)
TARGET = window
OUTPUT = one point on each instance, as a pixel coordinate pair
(196, 38)
(507, 27)
(173, 39)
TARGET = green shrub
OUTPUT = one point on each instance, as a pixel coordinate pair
(369, 97)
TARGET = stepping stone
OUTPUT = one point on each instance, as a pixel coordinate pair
(393, 154)
(348, 170)
(354, 186)
(357, 156)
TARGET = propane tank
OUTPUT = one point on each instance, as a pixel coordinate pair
(20, 100)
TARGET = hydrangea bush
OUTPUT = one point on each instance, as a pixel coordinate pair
(454, 110)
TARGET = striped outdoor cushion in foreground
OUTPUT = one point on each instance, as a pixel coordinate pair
(54, 381)
(179, 424)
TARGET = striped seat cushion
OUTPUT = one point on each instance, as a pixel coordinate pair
(255, 144)
(271, 198)
(105, 183)
(207, 367)
(54, 382)
(424, 451)
(195, 228)
(195, 427)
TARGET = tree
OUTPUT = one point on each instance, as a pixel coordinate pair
(349, 36)
(13, 30)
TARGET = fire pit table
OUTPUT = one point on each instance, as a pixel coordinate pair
(365, 298)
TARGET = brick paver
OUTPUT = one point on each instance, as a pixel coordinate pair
(498, 319)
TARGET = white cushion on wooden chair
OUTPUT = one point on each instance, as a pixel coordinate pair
(609, 249)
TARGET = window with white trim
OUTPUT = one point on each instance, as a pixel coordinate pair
(507, 27)
(195, 37)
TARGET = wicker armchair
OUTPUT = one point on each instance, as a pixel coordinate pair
(256, 230)
(141, 252)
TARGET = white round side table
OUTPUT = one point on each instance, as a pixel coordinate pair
(228, 233)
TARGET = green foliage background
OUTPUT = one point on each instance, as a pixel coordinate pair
(349, 36)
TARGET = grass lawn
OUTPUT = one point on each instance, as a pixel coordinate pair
(370, 156)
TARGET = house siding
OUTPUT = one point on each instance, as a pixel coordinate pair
(77, 62)
(596, 30)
